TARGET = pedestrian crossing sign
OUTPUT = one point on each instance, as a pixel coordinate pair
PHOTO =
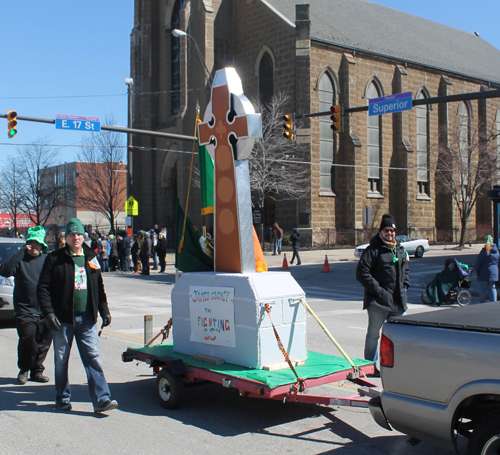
(131, 206)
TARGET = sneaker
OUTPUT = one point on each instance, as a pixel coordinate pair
(22, 377)
(107, 405)
(38, 377)
(64, 405)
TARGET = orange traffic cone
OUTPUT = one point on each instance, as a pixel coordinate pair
(326, 267)
(285, 263)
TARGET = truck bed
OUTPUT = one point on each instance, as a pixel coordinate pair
(479, 318)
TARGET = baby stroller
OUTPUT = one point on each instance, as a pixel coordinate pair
(449, 286)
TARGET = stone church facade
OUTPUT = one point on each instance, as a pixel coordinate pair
(319, 54)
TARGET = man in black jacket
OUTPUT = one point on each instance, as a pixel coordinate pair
(145, 253)
(34, 336)
(126, 250)
(71, 294)
(384, 273)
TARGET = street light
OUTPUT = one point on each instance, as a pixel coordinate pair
(178, 33)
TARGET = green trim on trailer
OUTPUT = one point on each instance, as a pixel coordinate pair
(317, 365)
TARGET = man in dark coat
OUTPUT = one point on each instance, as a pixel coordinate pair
(34, 336)
(383, 271)
(146, 253)
(126, 247)
(71, 295)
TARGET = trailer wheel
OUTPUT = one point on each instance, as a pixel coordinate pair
(464, 298)
(425, 297)
(169, 388)
(485, 439)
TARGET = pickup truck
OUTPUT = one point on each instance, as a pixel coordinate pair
(440, 373)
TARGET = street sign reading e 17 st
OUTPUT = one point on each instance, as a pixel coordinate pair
(390, 104)
(77, 122)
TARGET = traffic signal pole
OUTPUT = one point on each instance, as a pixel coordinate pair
(118, 129)
(419, 102)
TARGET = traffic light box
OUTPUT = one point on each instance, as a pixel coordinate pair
(11, 123)
(336, 119)
(288, 127)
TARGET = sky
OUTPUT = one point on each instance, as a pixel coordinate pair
(72, 57)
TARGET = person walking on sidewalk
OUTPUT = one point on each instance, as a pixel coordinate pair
(71, 294)
(34, 336)
(383, 271)
(277, 239)
(295, 238)
(486, 269)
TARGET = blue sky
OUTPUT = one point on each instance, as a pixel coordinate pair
(72, 57)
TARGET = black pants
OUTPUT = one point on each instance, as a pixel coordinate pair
(163, 262)
(295, 255)
(145, 264)
(34, 342)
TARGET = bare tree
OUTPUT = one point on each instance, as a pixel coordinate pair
(465, 166)
(278, 167)
(103, 176)
(41, 192)
(12, 190)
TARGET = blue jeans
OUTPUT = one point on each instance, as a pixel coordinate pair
(277, 246)
(155, 260)
(295, 255)
(487, 287)
(376, 318)
(85, 332)
(126, 263)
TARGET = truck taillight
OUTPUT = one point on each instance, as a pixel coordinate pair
(386, 352)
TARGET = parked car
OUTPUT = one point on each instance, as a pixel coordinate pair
(415, 247)
(8, 247)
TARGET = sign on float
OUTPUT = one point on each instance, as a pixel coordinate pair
(390, 104)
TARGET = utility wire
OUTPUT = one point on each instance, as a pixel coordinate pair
(188, 152)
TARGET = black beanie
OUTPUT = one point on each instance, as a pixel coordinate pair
(387, 221)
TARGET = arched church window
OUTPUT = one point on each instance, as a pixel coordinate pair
(266, 83)
(374, 137)
(422, 146)
(175, 65)
(326, 134)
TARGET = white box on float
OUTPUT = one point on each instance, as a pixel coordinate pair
(223, 315)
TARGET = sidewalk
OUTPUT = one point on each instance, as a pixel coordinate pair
(347, 254)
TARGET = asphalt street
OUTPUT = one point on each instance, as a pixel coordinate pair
(212, 419)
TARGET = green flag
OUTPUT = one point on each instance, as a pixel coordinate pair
(196, 254)
(206, 164)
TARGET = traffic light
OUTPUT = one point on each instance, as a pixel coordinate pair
(288, 127)
(11, 123)
(336, 117)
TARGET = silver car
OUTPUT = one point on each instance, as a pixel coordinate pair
(8, 247)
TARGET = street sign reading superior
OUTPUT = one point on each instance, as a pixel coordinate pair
(79, 123)
(390, 104)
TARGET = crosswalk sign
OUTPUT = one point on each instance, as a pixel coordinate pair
(131, 206)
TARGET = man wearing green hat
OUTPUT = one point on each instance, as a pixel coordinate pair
(34, 336)
(71, 295)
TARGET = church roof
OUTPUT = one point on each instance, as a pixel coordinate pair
(365, 26)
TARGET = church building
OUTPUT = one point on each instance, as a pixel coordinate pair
(319, 54)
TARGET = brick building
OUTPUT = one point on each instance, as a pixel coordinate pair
(323, 53)
(71, 177)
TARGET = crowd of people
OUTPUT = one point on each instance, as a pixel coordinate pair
(129, 253)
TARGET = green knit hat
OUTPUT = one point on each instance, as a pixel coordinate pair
(488, 239)
(37, 234)
(74, 226)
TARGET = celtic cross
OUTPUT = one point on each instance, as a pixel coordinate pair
(229, 129)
